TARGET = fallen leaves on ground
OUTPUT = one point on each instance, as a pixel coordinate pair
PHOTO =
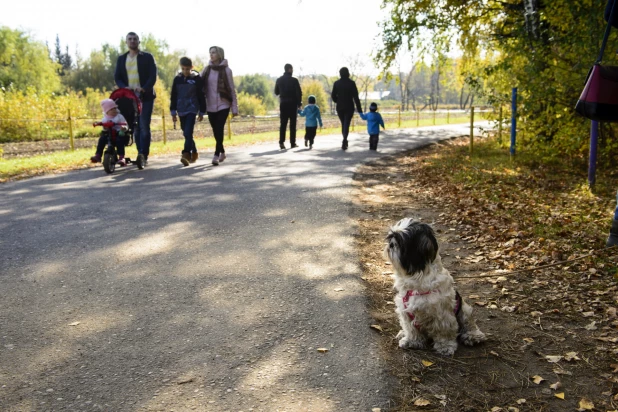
(494, 218)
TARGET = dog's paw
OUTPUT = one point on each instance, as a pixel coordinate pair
(445, 348)
(473, 337)
(405, 343)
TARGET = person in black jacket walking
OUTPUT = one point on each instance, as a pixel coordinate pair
(137, 70)
(188, 103)
(345, 94)
(290, 100)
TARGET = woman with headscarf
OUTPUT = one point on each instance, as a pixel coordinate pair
(345, 94)
(220, 97)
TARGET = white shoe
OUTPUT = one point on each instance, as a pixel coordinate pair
(222, 157)
(215, 160)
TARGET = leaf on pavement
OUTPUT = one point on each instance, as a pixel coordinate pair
(537, 379)
(559, 395)
(421, 402)
(322, 350)
(426, 363)
(377, 327)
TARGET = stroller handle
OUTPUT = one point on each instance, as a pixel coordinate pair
(108, 124)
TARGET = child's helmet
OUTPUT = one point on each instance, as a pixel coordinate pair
(373, 106)
(311, 99)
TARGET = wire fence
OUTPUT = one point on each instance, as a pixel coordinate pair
(77, 132)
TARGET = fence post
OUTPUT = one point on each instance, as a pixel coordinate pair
(434, 117)
(513, 120)
(229, 126)
(399, 118)
(471, 129)
(592, 161)
(500, 126)
(163, 124)
(71, 141)
(448, 116)
(253, 130)
(417, 117)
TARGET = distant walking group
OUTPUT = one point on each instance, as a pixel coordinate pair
(212, 93)
(344, 94)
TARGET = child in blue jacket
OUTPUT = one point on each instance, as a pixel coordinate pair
(374, 121)
(312, 114)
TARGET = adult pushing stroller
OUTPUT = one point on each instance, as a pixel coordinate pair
(130, 107)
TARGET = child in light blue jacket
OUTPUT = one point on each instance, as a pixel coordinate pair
(311, 112)
(374, 121)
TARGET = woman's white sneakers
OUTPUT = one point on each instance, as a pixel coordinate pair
(215, 160)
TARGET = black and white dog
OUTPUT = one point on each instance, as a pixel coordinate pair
(429, 308)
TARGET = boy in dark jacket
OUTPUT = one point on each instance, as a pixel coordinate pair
(374, 121)
(312, 115)
(187, 102)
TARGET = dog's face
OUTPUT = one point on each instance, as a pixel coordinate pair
(410, 246)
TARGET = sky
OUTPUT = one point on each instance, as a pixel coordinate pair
(258, 36)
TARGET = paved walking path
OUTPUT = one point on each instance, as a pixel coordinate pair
(206, 288)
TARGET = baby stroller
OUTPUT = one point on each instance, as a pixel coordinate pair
(130, 107)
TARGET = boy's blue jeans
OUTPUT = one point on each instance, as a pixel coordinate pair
(187, 124)
(142, 131)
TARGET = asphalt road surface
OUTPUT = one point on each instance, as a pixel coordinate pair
(192, 288)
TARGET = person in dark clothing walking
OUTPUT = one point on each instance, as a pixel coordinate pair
(137, 70)
(188, 103)
(290, 100)
(345, 94)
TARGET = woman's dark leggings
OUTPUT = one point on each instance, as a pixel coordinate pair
(217, 121)
(345, 116)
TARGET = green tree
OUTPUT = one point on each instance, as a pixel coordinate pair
(261, 86)
(167, 61)
(63, 59)
(96, 72)
(25, 62)
(315, 87)
(250, 105)
(544, 48)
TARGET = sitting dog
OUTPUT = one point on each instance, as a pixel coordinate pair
(429, 308)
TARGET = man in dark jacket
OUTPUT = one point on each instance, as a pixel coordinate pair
(137, 70)
(345, 94)
(290, 100)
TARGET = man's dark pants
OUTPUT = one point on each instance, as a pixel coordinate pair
(142, 131)
(288, 111)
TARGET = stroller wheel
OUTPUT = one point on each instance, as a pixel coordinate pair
(109, 162)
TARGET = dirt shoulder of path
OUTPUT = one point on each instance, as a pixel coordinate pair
(552, 333)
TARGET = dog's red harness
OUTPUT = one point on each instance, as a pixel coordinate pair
(416, 293)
